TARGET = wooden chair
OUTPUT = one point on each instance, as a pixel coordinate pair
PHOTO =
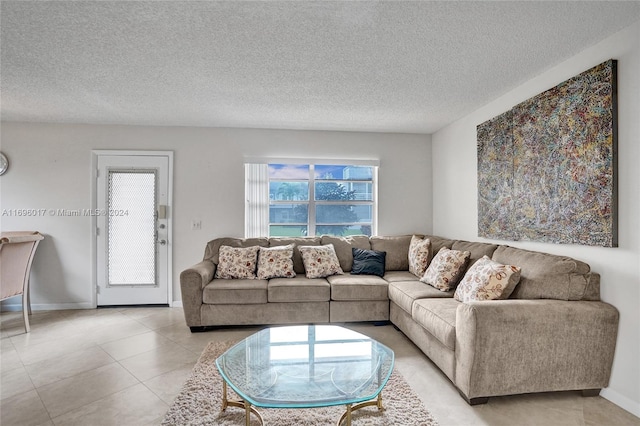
(16, 255)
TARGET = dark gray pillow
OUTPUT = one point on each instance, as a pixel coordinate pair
(368, 262)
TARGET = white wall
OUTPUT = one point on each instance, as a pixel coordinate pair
(455, 196)
(50, 168)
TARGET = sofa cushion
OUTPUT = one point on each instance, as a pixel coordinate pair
(419, 255)
(212, 250)
(438, 242)
(476, 249)
(397, 249)
(358, 287)
(547, 276)
(446, 269)
(403, 293)
(368, 262)
(320, 261)
(343, 247)
(298, 265)
(237, 262)
(235, 291)
(487, 280)
(298, 289)
(395, 276)
(438, 317)
(275, 262)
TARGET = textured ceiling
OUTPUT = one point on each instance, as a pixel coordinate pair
(363, 66)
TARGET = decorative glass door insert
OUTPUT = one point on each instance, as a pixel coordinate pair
(132, 228)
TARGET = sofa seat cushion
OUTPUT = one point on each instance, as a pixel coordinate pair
(403, 293)
(358, 287)
(235, 291)
(395, 276)
(298, 289)
(438, 317)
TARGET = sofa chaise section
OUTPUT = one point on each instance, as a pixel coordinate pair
(553, 333)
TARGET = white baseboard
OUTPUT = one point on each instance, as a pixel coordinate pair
(48, 306)
(621, 401)
(14, 307)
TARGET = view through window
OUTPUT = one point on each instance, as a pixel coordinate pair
(316, 199)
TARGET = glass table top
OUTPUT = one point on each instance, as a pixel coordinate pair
(306, 366)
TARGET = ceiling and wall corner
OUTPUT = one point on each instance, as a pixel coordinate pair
(404, 67)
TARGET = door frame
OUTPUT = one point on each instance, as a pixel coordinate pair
(94, 221)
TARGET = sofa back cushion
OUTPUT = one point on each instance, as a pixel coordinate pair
(212, 250)
(548, 276)
(298, 266)
(477, 250)
(343, 247)
(438, 242)
(397, 248)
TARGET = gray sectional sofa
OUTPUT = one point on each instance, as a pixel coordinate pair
(552, 334)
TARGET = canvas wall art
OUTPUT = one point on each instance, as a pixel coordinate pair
(547, 167)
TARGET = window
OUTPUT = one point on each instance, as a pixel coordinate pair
(310, 199)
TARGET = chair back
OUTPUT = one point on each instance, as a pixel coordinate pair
(16, 255)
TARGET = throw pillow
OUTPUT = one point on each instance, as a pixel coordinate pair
(419, 255)
(487, 280)
(276, 262)
(446, 268)
(368, 262)
(320, 261)
(235, 262)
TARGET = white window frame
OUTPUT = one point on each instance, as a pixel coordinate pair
(257, 192)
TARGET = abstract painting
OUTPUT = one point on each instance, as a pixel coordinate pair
(547, 167)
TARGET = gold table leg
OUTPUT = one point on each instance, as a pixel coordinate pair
(350, 409)
(248, 409)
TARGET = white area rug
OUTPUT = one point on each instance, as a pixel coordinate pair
(199, 403)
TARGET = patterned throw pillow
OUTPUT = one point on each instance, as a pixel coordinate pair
(320, 261)
(487, 280)
(237, 262)
(446, 268)
(276, 262)
(419, 255)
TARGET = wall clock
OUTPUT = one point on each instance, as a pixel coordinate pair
(4, 164)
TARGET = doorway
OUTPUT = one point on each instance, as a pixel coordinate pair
(131, 219)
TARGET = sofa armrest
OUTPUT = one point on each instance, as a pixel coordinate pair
(192, 281)
(506, 347)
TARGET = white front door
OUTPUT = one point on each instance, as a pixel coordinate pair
(133, 228)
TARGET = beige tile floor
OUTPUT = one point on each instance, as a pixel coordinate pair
(125, 367)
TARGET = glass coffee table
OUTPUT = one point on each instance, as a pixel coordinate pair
(305, 367)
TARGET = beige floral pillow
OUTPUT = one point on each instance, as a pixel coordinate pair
(276, 262)
(320, 261)
(419, 255)
(487, 280)
(235, 262)
(446, 268)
